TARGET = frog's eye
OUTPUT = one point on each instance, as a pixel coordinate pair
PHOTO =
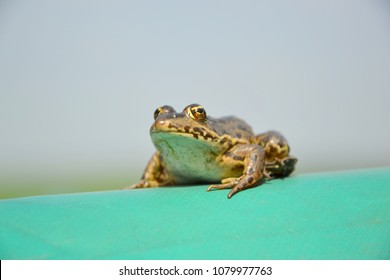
(163, 110)
(197, 112)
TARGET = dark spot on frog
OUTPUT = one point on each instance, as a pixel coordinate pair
(208, 135)
(187, 128)
(272, 149)
(238, 158)
(237, 167)
(238, 135)
(229, 154)
(170, 125)
(198, 130)
(223, 140)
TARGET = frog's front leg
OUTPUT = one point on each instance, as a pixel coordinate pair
(252, 157)
(154, 175)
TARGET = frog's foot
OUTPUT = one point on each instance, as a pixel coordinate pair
(143, 184)
(227, 183)
(281, 167)
(236, 184)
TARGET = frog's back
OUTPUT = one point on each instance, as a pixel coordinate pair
(234, 127)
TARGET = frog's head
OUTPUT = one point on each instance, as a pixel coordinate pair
(192, 122)
(189, 137)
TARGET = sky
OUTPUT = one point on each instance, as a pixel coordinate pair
(80, 80)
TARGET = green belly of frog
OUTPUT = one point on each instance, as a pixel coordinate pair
(188, 160)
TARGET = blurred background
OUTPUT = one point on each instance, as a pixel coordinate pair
(80, 80)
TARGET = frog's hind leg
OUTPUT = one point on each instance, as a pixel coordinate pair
(278, 161)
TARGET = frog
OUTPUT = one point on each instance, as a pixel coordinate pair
(195, 148)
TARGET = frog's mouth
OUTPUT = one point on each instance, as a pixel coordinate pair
(184, 134)
(186, 131)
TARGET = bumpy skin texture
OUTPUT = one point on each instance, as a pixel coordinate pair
(195, 148)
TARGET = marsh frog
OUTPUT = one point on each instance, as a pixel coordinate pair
(194, 148)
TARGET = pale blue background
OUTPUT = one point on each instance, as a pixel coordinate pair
(80, 80)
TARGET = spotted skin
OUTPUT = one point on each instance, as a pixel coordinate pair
(193, 147)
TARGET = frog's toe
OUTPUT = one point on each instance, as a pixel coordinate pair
(230, 180)
(141, 184)
(268, 175)
(233, 192)
(237, 188)
(222, 186)
(135, 186)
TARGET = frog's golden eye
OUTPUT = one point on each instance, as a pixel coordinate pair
(163, 110)
(197, 112)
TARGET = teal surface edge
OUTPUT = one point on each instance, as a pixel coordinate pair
(339, 215)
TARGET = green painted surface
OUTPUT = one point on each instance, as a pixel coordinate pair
(342, 215)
